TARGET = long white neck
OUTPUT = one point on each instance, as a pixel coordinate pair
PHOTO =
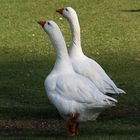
(75, 47)
(62, 62)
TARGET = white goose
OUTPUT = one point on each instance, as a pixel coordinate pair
(75, 96)
(81, 63)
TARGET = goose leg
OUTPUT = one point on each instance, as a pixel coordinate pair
(72, 125)
(77, 129)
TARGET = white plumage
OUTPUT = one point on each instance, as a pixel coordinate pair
(68, 91)
(72, 93)
(81, 63)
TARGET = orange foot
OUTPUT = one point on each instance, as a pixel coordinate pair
(70, 134)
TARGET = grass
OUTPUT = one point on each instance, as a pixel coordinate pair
(110, 34)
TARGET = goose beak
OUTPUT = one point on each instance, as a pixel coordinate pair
(42, 22)
(60, 10)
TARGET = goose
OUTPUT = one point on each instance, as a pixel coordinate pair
(83, 64)
(75, 97)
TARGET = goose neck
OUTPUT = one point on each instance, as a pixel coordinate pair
(62, 63)
(75, 32)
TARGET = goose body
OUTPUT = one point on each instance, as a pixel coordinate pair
(75, 96)
(71, 93)
(82, 64)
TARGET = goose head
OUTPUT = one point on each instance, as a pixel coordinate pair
(68, 12)
(72, 18)
(50, 27)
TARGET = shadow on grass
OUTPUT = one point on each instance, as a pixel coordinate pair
(33, 104)
(29, 113)
(22, 93)
(133, 10)
(49, 112)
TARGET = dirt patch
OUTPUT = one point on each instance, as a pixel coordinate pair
(25, 124)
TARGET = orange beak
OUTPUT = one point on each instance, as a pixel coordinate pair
(60, 10)
(42, 22)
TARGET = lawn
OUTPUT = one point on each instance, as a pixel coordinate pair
(110, 33)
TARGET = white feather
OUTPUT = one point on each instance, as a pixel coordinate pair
(68, 91)
(84, 65)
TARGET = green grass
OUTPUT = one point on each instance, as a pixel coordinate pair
(110, 34)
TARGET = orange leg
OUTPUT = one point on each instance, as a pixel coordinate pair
(73, 125)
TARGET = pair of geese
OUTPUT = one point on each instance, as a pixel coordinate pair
(77, 85)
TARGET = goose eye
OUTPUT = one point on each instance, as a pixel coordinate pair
(48, 23)
(66, 9)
